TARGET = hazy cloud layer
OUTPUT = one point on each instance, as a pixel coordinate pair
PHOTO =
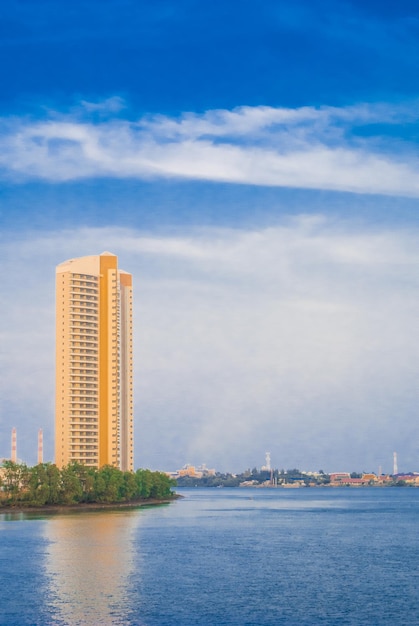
(300, 339)
(357, 149)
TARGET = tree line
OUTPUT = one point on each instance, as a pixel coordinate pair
(46, 484)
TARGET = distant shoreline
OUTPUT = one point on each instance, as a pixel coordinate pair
(291, 486)
(53, 509)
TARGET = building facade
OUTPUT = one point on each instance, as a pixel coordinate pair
(94, 363)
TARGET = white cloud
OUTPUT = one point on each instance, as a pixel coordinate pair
(110, 105)
(300, 339)
(305, 147)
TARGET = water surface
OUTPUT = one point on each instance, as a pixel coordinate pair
(237, 557)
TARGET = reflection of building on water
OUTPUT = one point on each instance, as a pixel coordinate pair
(89, 561)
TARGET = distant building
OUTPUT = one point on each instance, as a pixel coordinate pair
(94, 364)
(369, 478)
(192, 471)
(409, 479)
(344, 479)
(189, 470)
(337, 477)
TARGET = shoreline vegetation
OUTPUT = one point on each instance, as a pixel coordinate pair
(46, 488)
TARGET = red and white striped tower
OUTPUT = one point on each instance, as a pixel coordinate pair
(14, 451)
(40, 447)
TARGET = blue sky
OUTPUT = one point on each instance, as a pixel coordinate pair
(255, 167)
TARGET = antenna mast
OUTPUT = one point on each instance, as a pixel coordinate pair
(395, 468)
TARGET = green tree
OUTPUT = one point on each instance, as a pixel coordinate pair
(145, 482)
(161, 484)
(38, 485)
(111, 484)
(129, 487)
(46, 484)
(86, 478)
(71, 488)
(15, 481)
(54, 483)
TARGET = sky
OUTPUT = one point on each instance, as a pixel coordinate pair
(254, 166)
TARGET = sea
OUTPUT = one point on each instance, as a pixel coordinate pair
(232, 557)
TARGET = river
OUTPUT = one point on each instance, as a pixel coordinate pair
(233, 557)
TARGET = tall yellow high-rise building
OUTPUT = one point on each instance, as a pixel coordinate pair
(94, 366)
